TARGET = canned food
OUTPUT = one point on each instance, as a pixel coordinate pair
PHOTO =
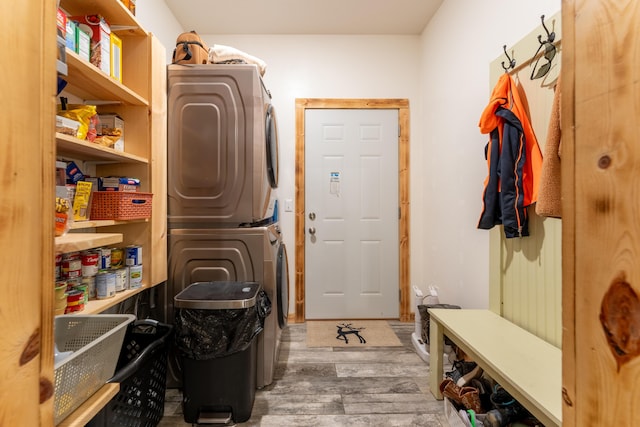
(117, 258)
(85, 291)
(75, 302)
(90, 281)
(90, 261)
(58, 266)
(105, 259)
(122, 279)
(134, 255)
(105, 284)
(71, 267)
(135, 276)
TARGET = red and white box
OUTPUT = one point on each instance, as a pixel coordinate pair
(100, 33)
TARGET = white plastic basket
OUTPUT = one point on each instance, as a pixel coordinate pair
(455, 419)
(96, 341)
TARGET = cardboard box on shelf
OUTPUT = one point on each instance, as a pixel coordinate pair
(81, 201)
(99, 31)
(67, 126)
(83, 44)
(116, 57)
(71, 36)
(112, 121)
(61, 23)
(119, 183)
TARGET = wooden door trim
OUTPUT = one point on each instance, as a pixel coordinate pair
(402, 105)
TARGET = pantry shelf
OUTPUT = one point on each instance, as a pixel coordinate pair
(117, 13)
(81, 225)
(69, 146)
(88, 82)
(72, 242)
(100, 305)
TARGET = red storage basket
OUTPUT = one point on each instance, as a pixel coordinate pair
(121, 205)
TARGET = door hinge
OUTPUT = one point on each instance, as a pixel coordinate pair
(399, 212)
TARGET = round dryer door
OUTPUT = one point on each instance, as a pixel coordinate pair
(282, 286)
(271, 135)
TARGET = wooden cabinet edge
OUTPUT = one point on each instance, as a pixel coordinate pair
(72, 242)
(91, 406)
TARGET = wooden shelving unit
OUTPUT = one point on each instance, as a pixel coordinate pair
(140, 101)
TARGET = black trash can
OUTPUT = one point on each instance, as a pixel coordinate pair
(216, 326)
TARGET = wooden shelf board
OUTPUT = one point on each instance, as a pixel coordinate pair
(80, 225)
(69, 146)
(72, 242)
(81, 416)
(99, 305)
(88, 82)
(117, 13)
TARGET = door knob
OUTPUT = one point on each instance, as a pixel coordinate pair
(312, 216)
(312, 230)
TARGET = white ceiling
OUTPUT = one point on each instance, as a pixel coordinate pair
(304, 16)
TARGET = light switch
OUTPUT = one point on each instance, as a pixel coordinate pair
(288, 205)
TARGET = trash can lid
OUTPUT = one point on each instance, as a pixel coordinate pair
(218, 295)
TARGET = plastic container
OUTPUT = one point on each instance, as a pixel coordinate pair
(95, 343)
(217, 324)
(121, 205)
(142, 374)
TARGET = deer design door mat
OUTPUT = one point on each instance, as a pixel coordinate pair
(350, 333)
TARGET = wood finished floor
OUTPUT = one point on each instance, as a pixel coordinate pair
(384, 386)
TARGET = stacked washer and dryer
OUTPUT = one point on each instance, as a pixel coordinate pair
(222, 210)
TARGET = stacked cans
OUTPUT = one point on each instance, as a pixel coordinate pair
(134, 265)
(98, 274)
(69, 274)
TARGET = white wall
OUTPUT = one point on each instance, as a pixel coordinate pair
(457, 47)
(445, 75)
(156, 17)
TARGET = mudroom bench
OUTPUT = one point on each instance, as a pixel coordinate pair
(528, 367)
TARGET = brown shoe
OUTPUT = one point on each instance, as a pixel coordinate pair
(471, 399)
(450, 390)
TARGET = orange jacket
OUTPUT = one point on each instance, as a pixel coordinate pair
(513, 158)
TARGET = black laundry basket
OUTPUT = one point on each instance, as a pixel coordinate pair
(142, 373)
(217, 324)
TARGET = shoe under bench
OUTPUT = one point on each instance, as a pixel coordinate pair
(527, 366)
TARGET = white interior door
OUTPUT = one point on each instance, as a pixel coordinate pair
(351, 211)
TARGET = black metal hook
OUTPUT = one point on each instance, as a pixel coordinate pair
(551, 36)
(512, 61)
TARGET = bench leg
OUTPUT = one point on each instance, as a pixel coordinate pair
(436, 350)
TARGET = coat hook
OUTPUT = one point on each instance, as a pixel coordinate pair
(512, 61)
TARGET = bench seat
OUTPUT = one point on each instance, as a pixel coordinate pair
(528, 367)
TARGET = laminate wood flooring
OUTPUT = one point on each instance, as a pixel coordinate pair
(333, 387)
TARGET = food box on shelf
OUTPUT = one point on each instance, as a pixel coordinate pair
(118, 183)
(116, 57)
(99, 32)
(67, 126)
(112, 121)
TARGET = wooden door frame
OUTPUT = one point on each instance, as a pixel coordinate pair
(402, 105)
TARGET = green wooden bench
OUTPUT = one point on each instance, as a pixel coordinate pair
(528, 367)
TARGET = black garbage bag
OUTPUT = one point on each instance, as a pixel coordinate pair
(209, 334)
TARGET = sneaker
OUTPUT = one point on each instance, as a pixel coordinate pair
(501, 397)
(501, 417)
(463, 372)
